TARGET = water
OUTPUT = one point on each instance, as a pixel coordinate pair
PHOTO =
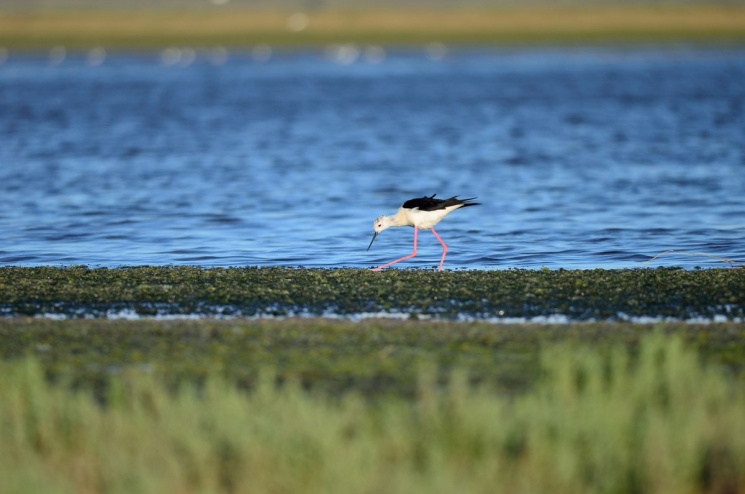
(582, 158)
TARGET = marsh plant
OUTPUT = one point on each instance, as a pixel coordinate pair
(648, 419)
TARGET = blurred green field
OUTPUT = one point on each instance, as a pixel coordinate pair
(93, 404)
(209, 27)
(653, 419)
(372, 357)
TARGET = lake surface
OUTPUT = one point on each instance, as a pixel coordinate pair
(581, 158)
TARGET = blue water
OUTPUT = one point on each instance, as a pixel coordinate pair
(582, 158)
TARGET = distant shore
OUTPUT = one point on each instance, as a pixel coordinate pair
(232, 28)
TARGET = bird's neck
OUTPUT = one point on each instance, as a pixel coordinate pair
(398, 219)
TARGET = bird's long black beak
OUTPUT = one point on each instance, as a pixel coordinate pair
(373, 240)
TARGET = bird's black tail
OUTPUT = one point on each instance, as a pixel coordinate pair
(466, 202)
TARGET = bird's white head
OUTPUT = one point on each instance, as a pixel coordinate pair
(381, 223)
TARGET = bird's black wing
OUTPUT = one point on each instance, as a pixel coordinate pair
(424, 203)
(431, 204)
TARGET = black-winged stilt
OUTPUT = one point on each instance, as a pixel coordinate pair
(423, 214)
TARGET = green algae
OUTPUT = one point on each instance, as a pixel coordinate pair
(373, 356)
(576, 294)
(371, 365)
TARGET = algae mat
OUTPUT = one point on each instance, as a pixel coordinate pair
(369, 355)
(507, 296)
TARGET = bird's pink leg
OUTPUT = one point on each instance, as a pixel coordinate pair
(403, 258)
(444, 248)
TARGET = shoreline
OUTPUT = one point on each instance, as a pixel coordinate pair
(139, 30)
(654, 295)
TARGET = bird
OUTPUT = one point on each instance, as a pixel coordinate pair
(422, 213)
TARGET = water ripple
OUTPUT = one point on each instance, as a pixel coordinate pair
(582, 158)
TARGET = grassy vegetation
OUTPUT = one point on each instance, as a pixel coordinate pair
(320, 405)
(655, 420)
(228, 27)
(372, 357)
(578, 294)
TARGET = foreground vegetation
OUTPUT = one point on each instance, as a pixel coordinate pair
(374, 358)
(654, 420)
(231, 27)
(93, 403)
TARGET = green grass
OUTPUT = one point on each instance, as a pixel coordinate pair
(374, 358)
(655, 420)
(90, 404)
